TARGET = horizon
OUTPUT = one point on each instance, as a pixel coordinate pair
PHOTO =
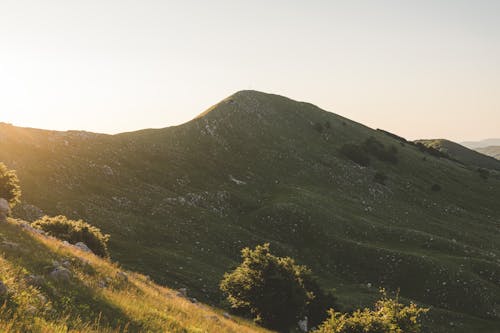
(423, 71)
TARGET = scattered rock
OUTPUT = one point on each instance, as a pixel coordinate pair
(83, 247)
(182, 292)
(10, 245)
(213, 318)
(4, 209)
(60, 274)
(226, 315)
(193, 300)
(3, 289)
(303, 324)
(122, 276)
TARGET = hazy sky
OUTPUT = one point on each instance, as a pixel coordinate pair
(422, 69)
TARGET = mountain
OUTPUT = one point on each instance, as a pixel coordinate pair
(493, 151)
(463, 154)
(181, 202)
(56, 287)
(481, 144)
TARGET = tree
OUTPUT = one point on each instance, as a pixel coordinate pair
(270, 288)
(388, 316)
(9, 185)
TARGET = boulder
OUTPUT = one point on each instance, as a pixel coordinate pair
(182, 292)
(60, 274)
(4, 209)
(83, 247)
(303, 324)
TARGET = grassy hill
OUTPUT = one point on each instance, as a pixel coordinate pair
(181, 202)
(463, 154)
(493, 151)
(48, 286)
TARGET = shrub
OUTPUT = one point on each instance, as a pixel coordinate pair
(436, 188)
(380, 177)
(355, 153)
(318, 127)
(9, 185)
(274, 290)
(483, 173)
(377, 149)
(388, 316)
(75, 231)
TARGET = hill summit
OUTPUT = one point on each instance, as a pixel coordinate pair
(363, 208)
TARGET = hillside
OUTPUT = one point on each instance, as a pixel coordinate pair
(54, 287)
(493, 151)
(462, 154)
(181, 202)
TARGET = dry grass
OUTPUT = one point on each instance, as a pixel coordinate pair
(97, 297)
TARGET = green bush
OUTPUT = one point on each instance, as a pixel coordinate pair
(274, 290)
(75, 231)
(377, 149)
(9, 185)
(355, 153)
(388, 316)
(436, 188)
(483, 173)
(380, 177)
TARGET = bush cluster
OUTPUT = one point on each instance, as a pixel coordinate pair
(75, 231)
(387, 316)
(360, 153)
(274, 290)
(377, 149)
(355, 153)
(9, 185)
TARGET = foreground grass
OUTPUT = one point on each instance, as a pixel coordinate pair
(97, 297)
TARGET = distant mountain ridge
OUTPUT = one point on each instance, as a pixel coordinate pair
(181, 202)
(493, 151)
(481, 143)
(463, 154)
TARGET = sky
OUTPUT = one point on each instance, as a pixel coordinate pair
(421, 69)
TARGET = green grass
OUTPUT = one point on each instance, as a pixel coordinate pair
(175, 212)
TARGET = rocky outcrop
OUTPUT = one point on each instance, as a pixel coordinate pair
(4, 209)
(60, 274)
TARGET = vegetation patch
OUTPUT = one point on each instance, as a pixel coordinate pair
(74, 232)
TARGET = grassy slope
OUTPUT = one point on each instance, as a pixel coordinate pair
(84, 304)
(176, 211)
(463, 154)
(493, 151)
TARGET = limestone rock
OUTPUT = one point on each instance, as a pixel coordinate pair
(82, 246)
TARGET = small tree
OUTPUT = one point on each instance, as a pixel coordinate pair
(388, 316)
(270, 288)
(9, 185)
(75, 231)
